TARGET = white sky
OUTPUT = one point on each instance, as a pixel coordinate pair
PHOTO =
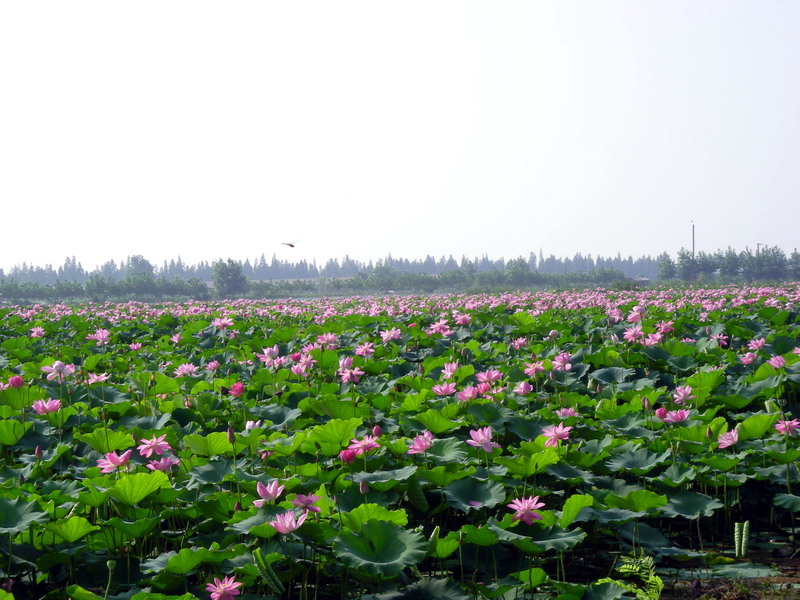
(220, 129)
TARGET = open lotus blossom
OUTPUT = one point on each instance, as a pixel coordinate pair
(306, 502)
(186, 370)
(526, 509)
(777, 361)
(449, 370)
(350, 375)
(97, 378)
(554, 433)
(155, 445)
(37, 332)
(720, 338)
(58, 370)
(135, 346)
(237, 390)
(488, 376)
(534, 368)
(165, 463)
(563, 413)
(482, 438)
(250, 425)
(225, 589)
(268, 492)
(785, 427)
(518, 343)
(444, 389)
(682, 394)
(222, 322)
(562, 362)
(756, 344)
(364, 445)
(45, 407)
(468, 393)
(748, 358)
(111, 461)
(672, 416)
(100, 336)
(633, 334)
(665, 327)
(615, 315)
(365, 349)
(390, 334)
(176, 338)
(523, 388)
(288, 522)
(729, 438)
(421, 443)
(637, 314)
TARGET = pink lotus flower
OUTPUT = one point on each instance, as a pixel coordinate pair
(225, 589)
(101, 336)
(468, 393)
(554, 433)
(45, 407)
(523, 388)
(748, 358)
(250, 425)
(112, 461)
(534, 368)
(562, 362)
(365, 349)
(665, 327)
(777, 361)
(673, 416)
(633, 334)
(348, 455)
(175, 339)
(37, 332)
(186, 370)
(444, 389)
(615, 315)
(449, 370)
(287, 522)
(135, 346)
(58, 370)
(526, 509)
(563, 413)
(237, 390)
(785, 427)
(268, 492)
(482, 438)
(683, 394)
(155, 445)
(97, 378)
(16, 382)
(421, 443)
(306, 502)
(756, 344)
(729, 438)
(212, 365)
(350, 375)
(488, 376)
(520, 342)
(720, 338)
(164, 464)
(364, 445)
(222, 322)
(390, 334)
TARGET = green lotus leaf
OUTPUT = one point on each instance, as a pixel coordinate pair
(72, 529)
(213, 444)
(104, 440)
(639, 461)
(426, 589)
(76, 592)
(334, 435)
(493, 414)
(442, 476)
(134, 529)
(130, 489)
(355, 519)
(755, 427)
(11, 431)
(691, 505)
(532, 578)
(392, 477)
(17, 515)
(468, 494)
(435, 422)
(380, 548)
(572, 507)
(677, 474)
(480, 536)
(788, 501)
(637, 501)
(611, 375)
(446, 451)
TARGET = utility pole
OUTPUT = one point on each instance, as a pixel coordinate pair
(692, 240)
(758, 247)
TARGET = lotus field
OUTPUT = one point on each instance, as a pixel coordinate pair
(468, 446)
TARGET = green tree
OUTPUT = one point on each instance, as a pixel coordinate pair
(666, 267)
(687, 265)
(229, 279)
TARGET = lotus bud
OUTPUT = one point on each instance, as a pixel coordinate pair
(231, 435)
(238, 506)
(295, 356)
(646, 403)
(363, 487)
(16, 382)
(709, 433)
(111, 564)
(21, 479)
(37, 452)
(377, 431)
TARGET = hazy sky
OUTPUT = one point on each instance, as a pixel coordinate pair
(221, 129)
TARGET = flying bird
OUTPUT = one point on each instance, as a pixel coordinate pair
(290, 244)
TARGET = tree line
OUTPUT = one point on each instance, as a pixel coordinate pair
(137, 278)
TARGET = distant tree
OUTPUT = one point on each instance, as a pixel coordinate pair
(687, 266)
(706, 265)
(666, 267)
(729, 264)
(794, 266)
(518, 271)
(228, 278)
